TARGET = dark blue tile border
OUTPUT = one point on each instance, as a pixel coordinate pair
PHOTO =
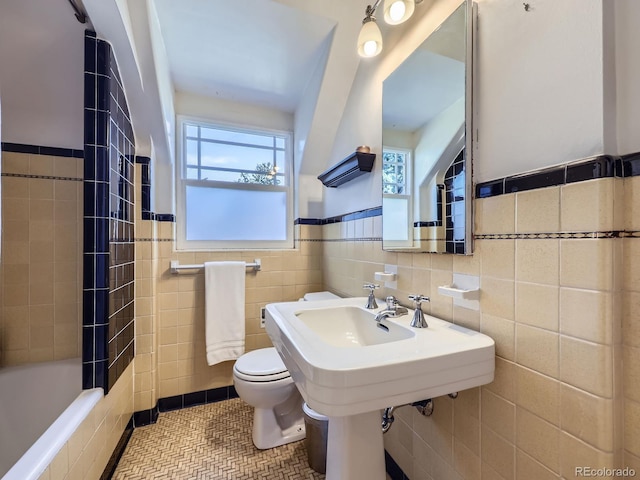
(42, 150)
(164, 217)
(370, 212)
(112, 464)
(392, 468)
(602, 166)
(177, 402)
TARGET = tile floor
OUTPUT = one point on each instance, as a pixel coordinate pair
(208, 442)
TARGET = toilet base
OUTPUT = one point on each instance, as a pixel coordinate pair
(267, 432)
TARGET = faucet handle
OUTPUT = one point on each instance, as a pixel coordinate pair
(371, 286)
(418, 320)
(371, 301)
(418, 299)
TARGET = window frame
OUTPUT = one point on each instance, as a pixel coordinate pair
(182, 244)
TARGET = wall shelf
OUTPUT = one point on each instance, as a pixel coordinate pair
(356, 164)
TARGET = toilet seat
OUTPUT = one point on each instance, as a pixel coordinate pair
(264, 365)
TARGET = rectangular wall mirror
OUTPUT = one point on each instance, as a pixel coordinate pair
(426, 160)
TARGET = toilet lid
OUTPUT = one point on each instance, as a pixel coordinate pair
(262, 363)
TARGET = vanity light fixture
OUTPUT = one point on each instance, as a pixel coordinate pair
(370, 38)
(395, 13)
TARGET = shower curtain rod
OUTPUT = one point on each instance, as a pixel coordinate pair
(80, 15)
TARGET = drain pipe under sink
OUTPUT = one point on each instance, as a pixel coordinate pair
(425, 407)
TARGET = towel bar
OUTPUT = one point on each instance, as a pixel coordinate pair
(176, 267)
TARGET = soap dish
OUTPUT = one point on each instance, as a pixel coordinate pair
(459, 293)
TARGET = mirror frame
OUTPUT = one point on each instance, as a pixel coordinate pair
(470, 64)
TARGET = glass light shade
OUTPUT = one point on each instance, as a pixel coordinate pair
(398, 11)
(369, 40)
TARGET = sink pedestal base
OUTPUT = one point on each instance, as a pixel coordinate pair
(355, 450)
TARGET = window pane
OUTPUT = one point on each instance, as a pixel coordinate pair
(231, 156)
(191, 130)
(192, 173)
(192, 152)
(237, 137)
(280, 142)
(396, 219)
(226, 214)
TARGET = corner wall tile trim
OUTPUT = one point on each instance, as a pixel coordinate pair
(108, 283)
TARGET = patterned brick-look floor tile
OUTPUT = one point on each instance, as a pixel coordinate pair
(209, 442)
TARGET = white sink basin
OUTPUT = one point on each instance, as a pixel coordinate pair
(351, 327)
(343, 364)
(348, 368)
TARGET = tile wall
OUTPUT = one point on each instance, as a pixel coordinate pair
(108, 286)
(631, 326)
(552, 304)
(40, 314)
(170, 348)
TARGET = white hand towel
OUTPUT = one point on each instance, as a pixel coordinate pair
(224, 310)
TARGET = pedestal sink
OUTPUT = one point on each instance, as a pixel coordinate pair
(349, 367)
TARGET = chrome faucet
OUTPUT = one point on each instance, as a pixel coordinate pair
(418, 320)
(393, 309)
(371, 301)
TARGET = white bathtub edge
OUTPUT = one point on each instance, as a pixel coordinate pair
(35, 461)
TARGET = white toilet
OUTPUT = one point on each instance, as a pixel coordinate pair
(262, 380)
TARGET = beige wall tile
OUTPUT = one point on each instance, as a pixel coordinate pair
(497, 297)
(586, 314)
(538, 210)
(587, 263)
(588, 417)
(630, 325)
(631, 461)
(499, 415)
(539, 394)
(587, 206)
(587, 366)
(503, 333)
(495, 214)
(466, 429)
(537, 261)
(466, 462)
(537, 349)
(538, 438)
(575, 453)
(631, 379)
(498, 258)
(504, 380)
(632, 203)
(632, 427)
(528, 468)
(13, 162)
(499, 453)
(537, 305)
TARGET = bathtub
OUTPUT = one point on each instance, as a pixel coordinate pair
(41, 405)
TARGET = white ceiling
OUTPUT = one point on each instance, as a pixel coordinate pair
(253, 51)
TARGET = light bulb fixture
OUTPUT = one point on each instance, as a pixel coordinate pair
(395, 13)
(370, 38)
(398, 11)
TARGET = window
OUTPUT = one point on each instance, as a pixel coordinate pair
(394, 171)
(234, 188)
(397, 225)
